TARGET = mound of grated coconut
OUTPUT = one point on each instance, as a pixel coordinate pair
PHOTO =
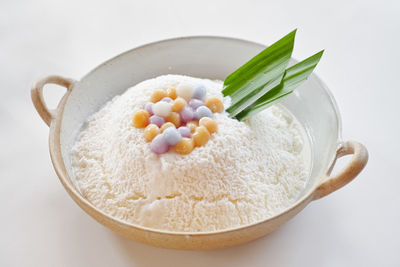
(247, 172)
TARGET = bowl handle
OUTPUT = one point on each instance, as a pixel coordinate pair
(37, 95)
(357, 162)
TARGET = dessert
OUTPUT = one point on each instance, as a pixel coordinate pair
(222, 173)
(183, 154)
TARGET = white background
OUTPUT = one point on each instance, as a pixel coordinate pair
(355, 226)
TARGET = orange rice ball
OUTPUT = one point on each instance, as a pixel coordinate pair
(209, 123)
(166, 125)
(158, 95)
(151, 131)
(178, 104)
(184, 146)
(215, 104)
(141, 118)
(174, 118)
(201, 136)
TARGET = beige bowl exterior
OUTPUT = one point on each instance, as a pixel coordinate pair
(179, 240)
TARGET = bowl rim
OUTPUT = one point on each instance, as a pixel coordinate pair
(226, 38)
(55, 129)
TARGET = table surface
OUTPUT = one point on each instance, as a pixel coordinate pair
(355, 226)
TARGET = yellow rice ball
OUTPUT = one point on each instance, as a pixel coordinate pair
(201, 136)
(184, 146)
(158, 95)
(171, 92)
(192, 125)
(141, 118)
(166, 125)
(209, 123)
(215, 104)
(174, 118)
(150, 132)
(178, 104)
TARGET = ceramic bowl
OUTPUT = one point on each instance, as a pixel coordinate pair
(205, 57)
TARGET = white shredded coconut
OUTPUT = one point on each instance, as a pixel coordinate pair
(247, 172)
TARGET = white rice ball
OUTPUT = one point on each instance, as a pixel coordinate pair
(162, 108)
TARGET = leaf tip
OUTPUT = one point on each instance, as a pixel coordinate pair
(318, 56)
(292, 34)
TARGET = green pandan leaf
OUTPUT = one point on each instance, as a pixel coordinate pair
(292, 78)
(259, 75)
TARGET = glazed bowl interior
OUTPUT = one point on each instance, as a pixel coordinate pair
(203, 57)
